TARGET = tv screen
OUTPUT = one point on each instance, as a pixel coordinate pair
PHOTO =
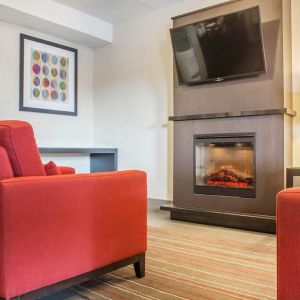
(220, 48)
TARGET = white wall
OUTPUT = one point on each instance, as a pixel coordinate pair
(134, 96)
(50, 130)
(296, 80)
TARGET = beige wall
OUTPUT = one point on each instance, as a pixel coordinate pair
(134, 95)
(296, 79)
(50, 130)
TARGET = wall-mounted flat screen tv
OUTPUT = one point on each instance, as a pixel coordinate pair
(223, 47)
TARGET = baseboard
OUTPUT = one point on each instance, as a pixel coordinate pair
(260, 223)
(165, 201)
(157, 203)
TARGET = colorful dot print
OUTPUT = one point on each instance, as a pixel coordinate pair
(45, 70)
(36, 69)
(36, 81)
(54, 95)
(45, 57)
(36, 92)
(49, 77)
(35, 55)
(62, 86)
(45, 94)
(63, 61)
(63, 74)
(63, 96)
(54, 72)
(54, 60)
(46, 82)
(54, 84)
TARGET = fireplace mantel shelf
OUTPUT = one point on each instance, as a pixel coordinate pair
(248, 113)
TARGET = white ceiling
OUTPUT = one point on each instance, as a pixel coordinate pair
(116, 11)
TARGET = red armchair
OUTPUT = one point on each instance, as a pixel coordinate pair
(56, 231)
(288, 244)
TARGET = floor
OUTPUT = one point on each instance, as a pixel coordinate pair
(160, 220)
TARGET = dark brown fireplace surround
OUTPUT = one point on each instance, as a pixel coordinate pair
(233, 140)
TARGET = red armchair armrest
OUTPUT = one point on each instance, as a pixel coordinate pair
(288, 244)
(56, 227)
(66, 170)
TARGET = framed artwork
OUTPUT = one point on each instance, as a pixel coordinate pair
(48, 77)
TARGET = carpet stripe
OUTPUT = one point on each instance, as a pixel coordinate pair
(109, 283)
(196, 284)
(217, 240)
(223, 268)
(180, 250)
(212, 284)
(192, 264)
(209, 273)
(186, 288)
(228, 250)
(148, 287)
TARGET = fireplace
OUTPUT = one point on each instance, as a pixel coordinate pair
(232, 179)
(225, 164)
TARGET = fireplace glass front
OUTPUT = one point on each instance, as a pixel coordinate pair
(225, 165)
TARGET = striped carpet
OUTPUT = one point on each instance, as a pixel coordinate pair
(191, 265)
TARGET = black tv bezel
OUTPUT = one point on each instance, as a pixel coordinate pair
(228, 77)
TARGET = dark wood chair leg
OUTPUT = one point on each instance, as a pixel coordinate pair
(139, 267)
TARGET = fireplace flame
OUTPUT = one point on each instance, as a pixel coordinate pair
(230, 177)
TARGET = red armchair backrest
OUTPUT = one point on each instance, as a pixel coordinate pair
(17, 138)
(6, 170)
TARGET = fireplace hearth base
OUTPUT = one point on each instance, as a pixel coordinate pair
(272, 155)
(260, 223)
